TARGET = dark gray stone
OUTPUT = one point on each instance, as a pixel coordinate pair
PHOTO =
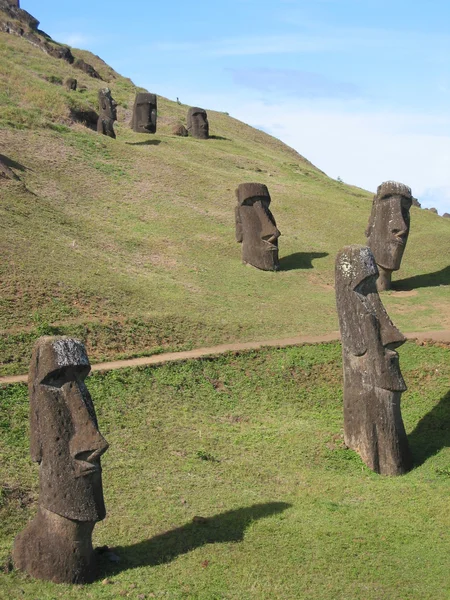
(66, 442)
(71, 84)
(373, 383)
(107, 113)
(86, 68)
(256, 228)
(197, 123)
(447, 215)
(388, 228)
(180, 130)
(144, 113)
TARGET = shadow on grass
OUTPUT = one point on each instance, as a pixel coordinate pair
(300, 260)
(441, 277)
(226, 527)
(145, 143)
(12, 164)
(432, 432)
(218, 137)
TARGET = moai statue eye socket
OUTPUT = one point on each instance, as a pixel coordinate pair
(256, 228)
(373, 382)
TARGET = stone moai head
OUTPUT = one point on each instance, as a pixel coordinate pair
(107, 113)
(197, 123)
(71, 84)
(64, 435)
(256, 228)
(388, 228)
(144, 113)
(372, 378)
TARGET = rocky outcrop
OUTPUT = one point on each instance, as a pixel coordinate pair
(86, 68)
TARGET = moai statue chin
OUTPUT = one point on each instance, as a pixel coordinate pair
(197, 123)
(388, 229)
(144, 113)
(107, 113)
(256, 228)
(65, 441)
(373, 383)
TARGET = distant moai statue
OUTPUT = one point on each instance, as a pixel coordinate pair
(144, 113)
(388, 229)
(107, 113)
(197, 123)
(65, 441)
(373, 383)
(71, 84)
(256, 228)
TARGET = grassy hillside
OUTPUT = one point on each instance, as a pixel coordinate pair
(129, 243)
(252, 443)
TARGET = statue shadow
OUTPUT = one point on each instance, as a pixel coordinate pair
(219, 137)
(229, 526)
(432, 432)
(300, 260)
(145, 143)
(435, 279)
(12, 164)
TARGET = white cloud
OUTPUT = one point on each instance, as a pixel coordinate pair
(77, 40)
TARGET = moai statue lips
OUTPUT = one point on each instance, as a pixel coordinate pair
(197, 123)
(64, 436)
(144, 113)
(388, 228)
(372, 378)
(256, 227)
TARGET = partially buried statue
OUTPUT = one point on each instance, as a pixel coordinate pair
(107, 114)
(373, 383)
(197, 123)
(255, 227)
(144, 113)
(65, 441)
(388, 229)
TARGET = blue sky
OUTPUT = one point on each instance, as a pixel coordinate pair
(359, 87)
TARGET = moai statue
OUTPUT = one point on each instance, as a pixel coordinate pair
(388, 229)
(256, 229)
(71, 84)
(108, 113)
(197, 123)
(144, 113)
(373, 383)
(65, 441)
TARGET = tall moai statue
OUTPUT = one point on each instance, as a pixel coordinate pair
(256, 228)
(144, 113)
(373, 383)
(65, 441)
(388, 229)
(197, 123)
(107, 113)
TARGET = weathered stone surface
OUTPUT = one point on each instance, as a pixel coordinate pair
(373, 382)
(71, 84)
(107, 113)
(256, 228)
(65, 441)
(388, 228)
(86, 68)
(433, 210)
(447, 215)
(197, 123)
(144, 113)
(180, 130)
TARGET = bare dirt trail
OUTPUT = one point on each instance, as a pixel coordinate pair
(158, 359)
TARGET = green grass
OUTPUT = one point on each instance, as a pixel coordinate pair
(101, 231)
(253, 443)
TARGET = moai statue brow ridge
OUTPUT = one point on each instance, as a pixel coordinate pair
(373, 383)
(256, 228)
(65, 441)
(388, 229)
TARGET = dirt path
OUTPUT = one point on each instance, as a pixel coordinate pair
(158, 359)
